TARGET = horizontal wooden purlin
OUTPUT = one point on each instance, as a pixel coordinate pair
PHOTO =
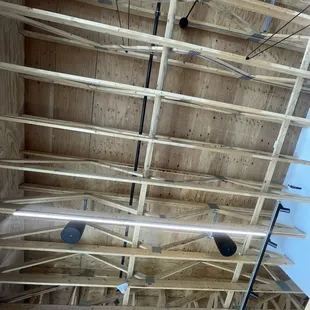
(65, 307)
(35, 262)
(19, 296)
(53, 198)
(160, 183)
(202, 25)
(267, 9)
(171, 98)
(172, 172)
(37, 231)
(157, 40)
(119, 197)
(271, 117)
(71, 197)
(130, 52)
(33, 279)
(120, 92)
(166, 224)
(148, 253)
(161, 140)
(49, 270)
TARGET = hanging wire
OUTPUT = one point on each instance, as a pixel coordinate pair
(190, 11)
(119, 18)
(248, 56)
(128, 17)
(269, 47)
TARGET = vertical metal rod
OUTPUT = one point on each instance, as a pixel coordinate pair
(141, 125)
(261, 256)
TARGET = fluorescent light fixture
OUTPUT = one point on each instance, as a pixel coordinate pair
(133, 220)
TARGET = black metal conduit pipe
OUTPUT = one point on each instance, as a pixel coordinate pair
(267, 242)
(138, 148)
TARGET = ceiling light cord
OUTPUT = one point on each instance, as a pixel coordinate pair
(183, 23)
(250, 57)
(190, 11)
(119, 18)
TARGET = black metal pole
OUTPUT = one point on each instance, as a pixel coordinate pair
(261, 254)
(141, 125)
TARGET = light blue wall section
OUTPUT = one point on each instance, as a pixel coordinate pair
(298, 250)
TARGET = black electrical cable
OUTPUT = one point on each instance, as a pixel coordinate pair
(248, 56)
(141, 125)
(269, 47)
(249, 292)
(190, 11)
(183, 23)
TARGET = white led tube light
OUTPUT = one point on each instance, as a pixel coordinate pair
(133, 220)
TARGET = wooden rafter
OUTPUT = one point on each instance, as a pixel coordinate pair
(116, 50)
(120, 251)
(157, 170)
(272, 287)
(139, 92)
(160, 183)
(130, 34)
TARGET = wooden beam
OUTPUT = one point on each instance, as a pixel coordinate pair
(74, 296)
(150, 200)
(120, 251)
(160, 183)
(231, 270)
(110, 233)
(162, 299)
(106, 273)
(276, 306)
(267, 9)
(105, 261)
(205, 26)
(65, 280)
(272, 164)
(35, 262)
(181, 302)
(119, 51)
(171, 98)
(265, 299)
(113, 204)
(130, 34)
(181, 242)
(162, 140)
(49, 28)
(38, 231)
(159, 170)
(174, 270)
(296, 303)
(238, 20)
(45, 199)
(15, 297)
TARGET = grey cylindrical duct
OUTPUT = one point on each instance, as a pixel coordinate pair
(225, 244)
(73, 232)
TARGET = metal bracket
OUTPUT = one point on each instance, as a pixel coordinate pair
(156, 249)
(149, 279)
